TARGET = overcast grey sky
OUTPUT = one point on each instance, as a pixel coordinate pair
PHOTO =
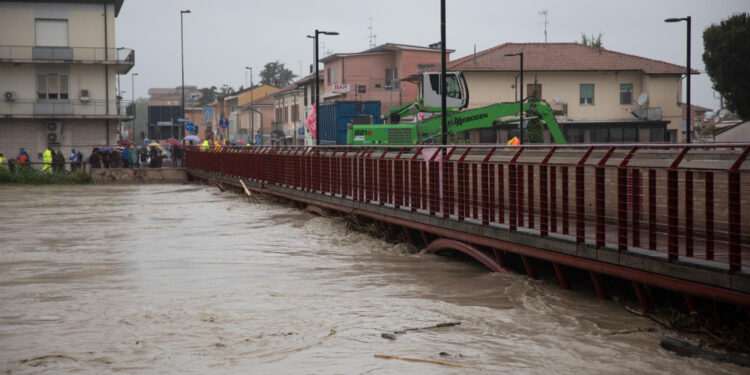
(223, 36)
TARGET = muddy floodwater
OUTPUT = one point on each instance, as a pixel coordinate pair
(187, 279)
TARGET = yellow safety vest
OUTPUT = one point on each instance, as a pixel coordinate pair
(2, 161)
(205, 145)
(47, 157)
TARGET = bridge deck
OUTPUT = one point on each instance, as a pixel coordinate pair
(671, 211)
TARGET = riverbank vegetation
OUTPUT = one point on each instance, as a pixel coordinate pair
(30, 176)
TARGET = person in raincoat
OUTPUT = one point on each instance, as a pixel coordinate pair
(133, 156)
(514, 141)
(47, 158)
(205, 145)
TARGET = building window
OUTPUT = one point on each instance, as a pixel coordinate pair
(52, 86)
(626, 93)
(423, 67)
(587, 94)
(305, 90)
(295, 112)
(51, 33)
(599, 135)
(454, 89)
(335, 74)
(657, 135)
(328, 76)
(574, 134)
(391, 78)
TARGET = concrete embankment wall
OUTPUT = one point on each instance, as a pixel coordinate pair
(139, 176)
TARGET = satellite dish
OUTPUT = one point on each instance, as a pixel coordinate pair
(722, 113)
(642, 99)
(558, 98)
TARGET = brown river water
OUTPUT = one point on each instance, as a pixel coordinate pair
(186, 279)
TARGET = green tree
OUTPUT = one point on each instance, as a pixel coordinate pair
(141, 120)
(727, 57)
(534, 128)
(208, 95)
(592, 41)
(275, 74)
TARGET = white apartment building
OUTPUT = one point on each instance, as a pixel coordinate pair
(58, 67)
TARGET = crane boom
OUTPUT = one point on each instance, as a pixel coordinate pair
(428, 130)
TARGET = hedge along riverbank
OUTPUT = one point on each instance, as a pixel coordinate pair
(31, 176)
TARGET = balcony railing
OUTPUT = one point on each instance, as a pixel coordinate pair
(72, 54)
(73, 108)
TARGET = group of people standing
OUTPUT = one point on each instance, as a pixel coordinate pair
(55, 161)
(104, 157)
(130, 157)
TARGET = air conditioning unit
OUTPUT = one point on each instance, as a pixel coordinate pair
(10, 96)
(54, 132)
(85, 96)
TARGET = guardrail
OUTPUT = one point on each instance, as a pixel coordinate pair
(64, 107)
(87, 54)
(685, 201)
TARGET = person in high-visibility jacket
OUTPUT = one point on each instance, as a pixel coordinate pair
(3, 161)
(47, 158)
(514, 141)
(205, 145)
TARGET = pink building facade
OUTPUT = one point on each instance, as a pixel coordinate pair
(375, 74)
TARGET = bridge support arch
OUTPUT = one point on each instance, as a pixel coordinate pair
(481, 257)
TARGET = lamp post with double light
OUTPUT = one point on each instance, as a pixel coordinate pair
(317, 80)
(520, 124)
(132, 90)
(251, 139)
(687, 73)
(182, 60)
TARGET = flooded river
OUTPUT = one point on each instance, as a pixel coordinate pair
(187, 279)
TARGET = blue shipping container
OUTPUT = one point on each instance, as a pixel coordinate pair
(335, 118)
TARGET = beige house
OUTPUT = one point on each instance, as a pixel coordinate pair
(58, 67)
(594, 91)
(258, 117)
(288, 112)
(292, 105)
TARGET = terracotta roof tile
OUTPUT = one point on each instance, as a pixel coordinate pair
(560, 57)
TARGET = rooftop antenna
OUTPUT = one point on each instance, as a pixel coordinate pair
(544, 12)
(475, 53)
(371, 36)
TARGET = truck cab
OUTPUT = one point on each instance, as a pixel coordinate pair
(456, 95)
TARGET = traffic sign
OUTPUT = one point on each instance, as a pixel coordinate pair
(208, 112)
(183, 120)
(191, 127)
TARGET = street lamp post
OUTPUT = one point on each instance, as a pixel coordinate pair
(443, 79)
(317, 79)
(520, 124)
(251, 140)
(182, 61)
(687, 73)
(132, 91)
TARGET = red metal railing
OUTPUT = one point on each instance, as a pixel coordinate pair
(686, 201)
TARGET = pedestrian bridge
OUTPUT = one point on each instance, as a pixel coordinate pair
(668, 216)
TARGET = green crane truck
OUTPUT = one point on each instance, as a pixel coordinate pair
(459, 118)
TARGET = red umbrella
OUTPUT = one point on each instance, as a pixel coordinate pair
(124, 143)
(173, 142)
